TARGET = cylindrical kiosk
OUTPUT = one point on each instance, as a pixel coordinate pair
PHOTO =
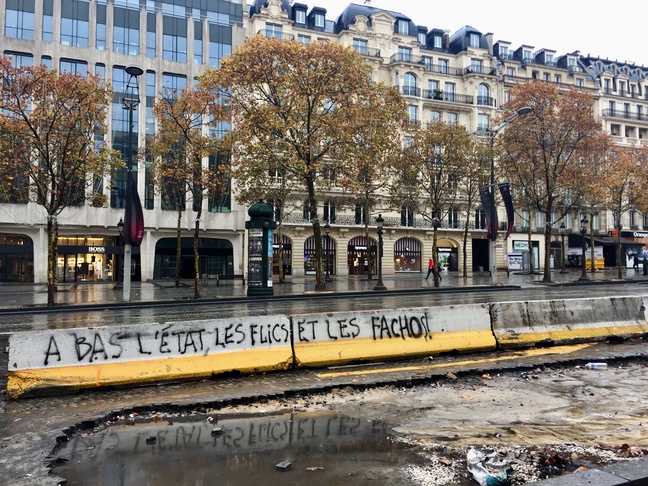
(260, 241)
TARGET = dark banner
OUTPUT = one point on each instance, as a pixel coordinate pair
(505, 191)
(134, 217)
(491, 219)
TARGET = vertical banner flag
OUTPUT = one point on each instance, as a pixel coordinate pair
(134, 227)
(491, 219)
(505, 191)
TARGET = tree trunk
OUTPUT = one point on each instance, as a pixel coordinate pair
(196, 253)
(618, 249)
(320, 284)
(52, 241)
(546, 274)
(368, 240)
(435, 255)
(464, 250)
(530, 241)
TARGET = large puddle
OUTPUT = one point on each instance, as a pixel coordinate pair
(321, 449)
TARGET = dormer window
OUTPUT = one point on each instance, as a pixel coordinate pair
(421, 38)
(438, 41)
(504, 52)
(319, 20)
(527, 55)
(300, 17)
(403, 27)
(549, 59)
(474, 40)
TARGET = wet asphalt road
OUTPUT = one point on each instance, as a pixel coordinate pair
(146, 313)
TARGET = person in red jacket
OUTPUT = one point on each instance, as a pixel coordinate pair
(430, 268)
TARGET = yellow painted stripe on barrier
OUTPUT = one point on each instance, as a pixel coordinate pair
(132, 372)
(522, 354)
(321, 353)
(566, 335)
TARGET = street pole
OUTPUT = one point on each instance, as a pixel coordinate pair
(492, 257)
(129, 103)
(583, 229)
(379, 221)
(562, 244)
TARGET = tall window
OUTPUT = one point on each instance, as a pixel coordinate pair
(435, 116)
(273, 31)
(150, 101)
(48, 20)
(304, 39)
(452, 119)
(421, 38)
(220, 43)
(483, 95)
(474, 40)
(329, 212)
(319, 20)
(100, 29)
(198, 43)
(482, 122)
(220, 196)
(150, 35)
(453, 218)
(404, 54)
(403, 27)
(407, 217)
(477, 66)
(74, 23)
(360, 45)
(438, 42)
(412, 111)
(126, 31)
(360, 214)
(300, 17)
(174, 39)
(449, 91)
(19, 19)
(443, 66)
(409, 85)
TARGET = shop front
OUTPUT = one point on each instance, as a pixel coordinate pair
(93, 259)
(215, 257)
(361, 256)
(407, 255)
(16, 259)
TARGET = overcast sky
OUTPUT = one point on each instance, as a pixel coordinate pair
(612, 30)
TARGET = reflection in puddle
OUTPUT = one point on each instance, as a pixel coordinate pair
(323, 449)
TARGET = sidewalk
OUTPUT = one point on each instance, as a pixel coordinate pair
(26, 295)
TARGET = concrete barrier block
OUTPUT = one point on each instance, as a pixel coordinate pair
(523, 324)
(69, 359)
(341, 337)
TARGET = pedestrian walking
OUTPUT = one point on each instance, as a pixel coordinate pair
(635, 263)
(430, 268)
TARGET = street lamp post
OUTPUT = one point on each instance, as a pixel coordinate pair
(562, 245)
(379, 221)
(583, 230)
(492, 131)
(130, 101)
(327, 230)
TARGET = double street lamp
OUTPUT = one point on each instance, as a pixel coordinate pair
(492, 131)
(562, 245)
(583, 230)
(130, 100)
(379, 222)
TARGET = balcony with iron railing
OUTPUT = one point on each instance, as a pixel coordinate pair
(350, 220)
(426, 62)
(626, 115)
(486, 101)
(483, 70)
(271, 34)
(439, 95)
(625, 94)
(367, 51)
